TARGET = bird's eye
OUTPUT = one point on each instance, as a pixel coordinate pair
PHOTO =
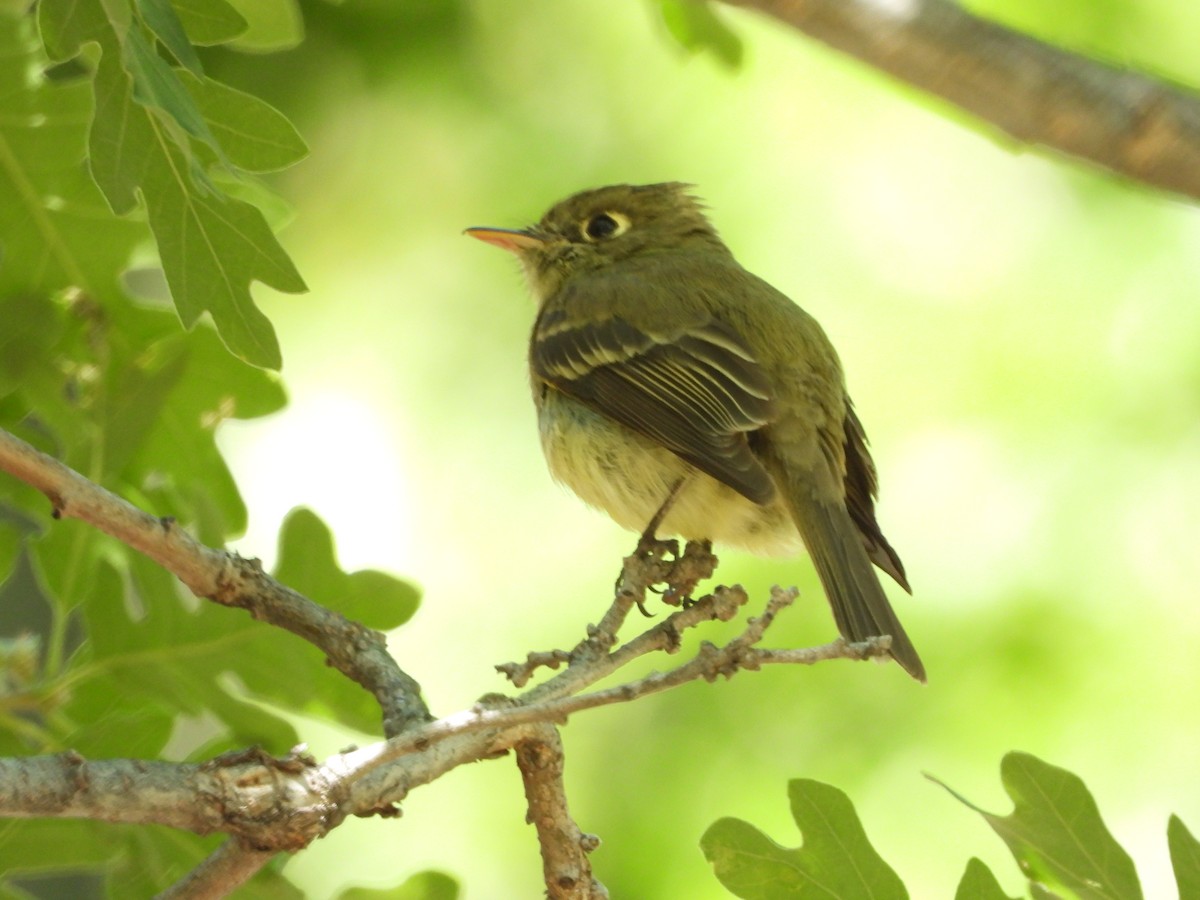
(605, 225)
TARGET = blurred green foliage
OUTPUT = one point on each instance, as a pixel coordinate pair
(1019, 334)
(1054, 832)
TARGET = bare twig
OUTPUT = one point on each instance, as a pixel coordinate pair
(354, 650)
(565, 865)
(520, 673)
(1138, 126)
(586, 670)
(639, 572)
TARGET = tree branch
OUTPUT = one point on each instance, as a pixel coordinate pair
(226, 578)
(1126, 121)
(267, 804)
(225, 870)
(270, 804)
(284, 804)
(566, 869)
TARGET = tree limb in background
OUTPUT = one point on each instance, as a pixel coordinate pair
(1126, 121)
(225, 870)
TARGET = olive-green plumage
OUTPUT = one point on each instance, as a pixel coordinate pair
(655, 357)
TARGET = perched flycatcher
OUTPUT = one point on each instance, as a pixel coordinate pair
(662, 369)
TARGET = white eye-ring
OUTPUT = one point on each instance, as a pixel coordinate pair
(603, 226)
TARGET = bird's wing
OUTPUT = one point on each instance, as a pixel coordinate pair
(861, 489)
(697, 392)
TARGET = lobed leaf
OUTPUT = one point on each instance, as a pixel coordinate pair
(429, 885)
(835, 861)
(1056, 834)
(212, 246)
(209, 22)
(55, 228)
(307, 563)
(255, 136)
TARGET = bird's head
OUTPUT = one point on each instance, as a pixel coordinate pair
(603, 226)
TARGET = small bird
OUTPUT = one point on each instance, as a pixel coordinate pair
(671, 382)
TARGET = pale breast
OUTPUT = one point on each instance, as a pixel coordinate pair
(629, 476)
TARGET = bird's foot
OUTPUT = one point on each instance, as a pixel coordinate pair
(655, 558)
(651, 548)
(687, 570)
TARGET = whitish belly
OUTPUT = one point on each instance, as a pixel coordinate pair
(629, 476)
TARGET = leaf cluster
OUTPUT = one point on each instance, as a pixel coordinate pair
(1055, 834)
(124, 178)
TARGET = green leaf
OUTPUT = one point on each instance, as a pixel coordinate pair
(256, 137)
(137, 400)
(157, 85)
(978, 883)
(55, 228)
(422, 886)
(164, 21)
(1185, 858)
(836, 860)
(1056, 834)
(271, 24)
(112, 721)
(172, 465)
(31, 846)
(31, 328)
(150, 648)
(66, 25)
(307, 563)
(697, 28)
(145, 861)
(212, 247)
(209, 22)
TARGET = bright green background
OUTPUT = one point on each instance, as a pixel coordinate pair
(1022, 339)
(1021, 336)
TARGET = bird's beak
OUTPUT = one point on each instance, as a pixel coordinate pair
(514, 241)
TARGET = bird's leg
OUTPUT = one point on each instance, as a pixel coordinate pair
(648, 543)
(648, 556)
(685, 570)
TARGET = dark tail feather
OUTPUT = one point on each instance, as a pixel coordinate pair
(860, 607)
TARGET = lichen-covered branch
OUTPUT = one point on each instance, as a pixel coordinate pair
(271, 804)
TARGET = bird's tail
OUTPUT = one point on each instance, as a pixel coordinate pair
(860, 607)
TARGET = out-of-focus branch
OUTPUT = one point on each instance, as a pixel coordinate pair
(225, 870)
(1138, 126)
(353, 649)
